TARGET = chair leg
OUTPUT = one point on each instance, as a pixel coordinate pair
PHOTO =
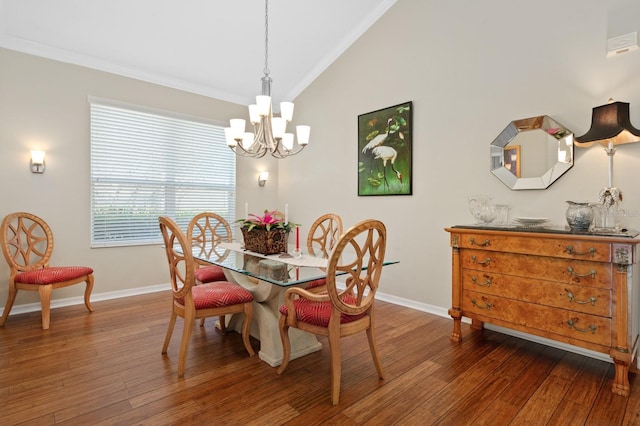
(223, 325)
(189, 320)
(336, 367)
(11, 297)
(167, 337)
(246, 326)
(45, 303)
(286, 344)
(87, 292)
(374, 351)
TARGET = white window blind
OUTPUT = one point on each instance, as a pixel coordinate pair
(145, 165)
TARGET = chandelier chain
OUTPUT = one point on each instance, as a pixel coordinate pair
(266, 37)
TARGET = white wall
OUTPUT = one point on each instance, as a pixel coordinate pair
(470, 68)
(43, 105)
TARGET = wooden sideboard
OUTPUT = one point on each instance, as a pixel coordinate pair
(581, 290)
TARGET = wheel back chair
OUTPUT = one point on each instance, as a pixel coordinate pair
(190, 301)
(321, 239)
(206, 231)
(27, 246)
(339, 313)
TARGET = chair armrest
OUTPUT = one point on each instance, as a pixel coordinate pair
(295, 292)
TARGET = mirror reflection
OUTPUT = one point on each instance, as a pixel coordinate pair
(532, 153)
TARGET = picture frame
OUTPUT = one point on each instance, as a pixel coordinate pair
(512, 159)
(385, 148)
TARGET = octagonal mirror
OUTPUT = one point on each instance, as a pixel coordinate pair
(532, 153)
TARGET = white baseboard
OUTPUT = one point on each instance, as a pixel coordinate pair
(95, 297)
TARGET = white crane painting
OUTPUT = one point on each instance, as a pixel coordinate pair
(384, 151)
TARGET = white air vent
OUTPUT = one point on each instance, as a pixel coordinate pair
(622, 44)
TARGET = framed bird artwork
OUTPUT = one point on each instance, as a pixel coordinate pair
(384, 151)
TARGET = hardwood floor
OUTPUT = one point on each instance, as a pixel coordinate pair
(105, 368)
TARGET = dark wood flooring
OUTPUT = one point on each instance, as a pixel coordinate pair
(105, 368)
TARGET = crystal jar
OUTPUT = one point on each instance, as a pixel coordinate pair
(481, 208)
(579, 216)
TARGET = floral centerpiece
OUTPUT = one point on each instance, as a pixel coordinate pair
(266, 234)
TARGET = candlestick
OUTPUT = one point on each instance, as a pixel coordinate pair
(286, 214)
(297, 238)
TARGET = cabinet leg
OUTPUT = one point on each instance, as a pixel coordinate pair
(621, 380)
(456, 336)
(621, 360)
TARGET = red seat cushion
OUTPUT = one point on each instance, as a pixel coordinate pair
(317, 283)
(319, 313)
(52, 275)
(219, 294)
(207, 274)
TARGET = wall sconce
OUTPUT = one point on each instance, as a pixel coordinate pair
(262, 178)
(37, 161)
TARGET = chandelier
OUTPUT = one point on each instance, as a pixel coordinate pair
(269, 133)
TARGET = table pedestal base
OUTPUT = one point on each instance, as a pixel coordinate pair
(267, 301)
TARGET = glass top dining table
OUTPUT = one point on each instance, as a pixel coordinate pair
(267, 278)
(281, 269)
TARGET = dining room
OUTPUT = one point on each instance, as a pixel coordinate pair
(465, 72)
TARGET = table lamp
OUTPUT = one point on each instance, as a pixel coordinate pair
(610, 126)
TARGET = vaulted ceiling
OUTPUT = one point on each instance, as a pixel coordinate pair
(211, 47)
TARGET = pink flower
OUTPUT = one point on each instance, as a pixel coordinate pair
(267, 221)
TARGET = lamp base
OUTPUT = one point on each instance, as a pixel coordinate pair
(608, 214)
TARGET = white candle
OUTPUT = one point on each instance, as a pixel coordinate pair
(286, 213)
(246, 210)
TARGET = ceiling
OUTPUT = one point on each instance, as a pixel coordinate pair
(210, 47)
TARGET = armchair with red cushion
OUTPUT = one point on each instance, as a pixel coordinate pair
(359, 256)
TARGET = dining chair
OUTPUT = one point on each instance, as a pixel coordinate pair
(27, 246)
(359, 254)
(191, 301)
(206, 231)
(321, 239)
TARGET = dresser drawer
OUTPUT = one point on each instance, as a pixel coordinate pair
(579, 272)
(530, 244)
(589, 300)
(538, 319)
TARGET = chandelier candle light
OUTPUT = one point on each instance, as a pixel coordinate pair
(270, 133)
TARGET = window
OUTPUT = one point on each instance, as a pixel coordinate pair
(146, 164)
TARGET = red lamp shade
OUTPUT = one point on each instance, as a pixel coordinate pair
(610, 123)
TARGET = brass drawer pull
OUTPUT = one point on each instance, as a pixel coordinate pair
(486, 262)
(572, 298)
(591, 273)
(485, 243)
(487, 305)
(487, 282)
(591, 327)
(569, 249)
